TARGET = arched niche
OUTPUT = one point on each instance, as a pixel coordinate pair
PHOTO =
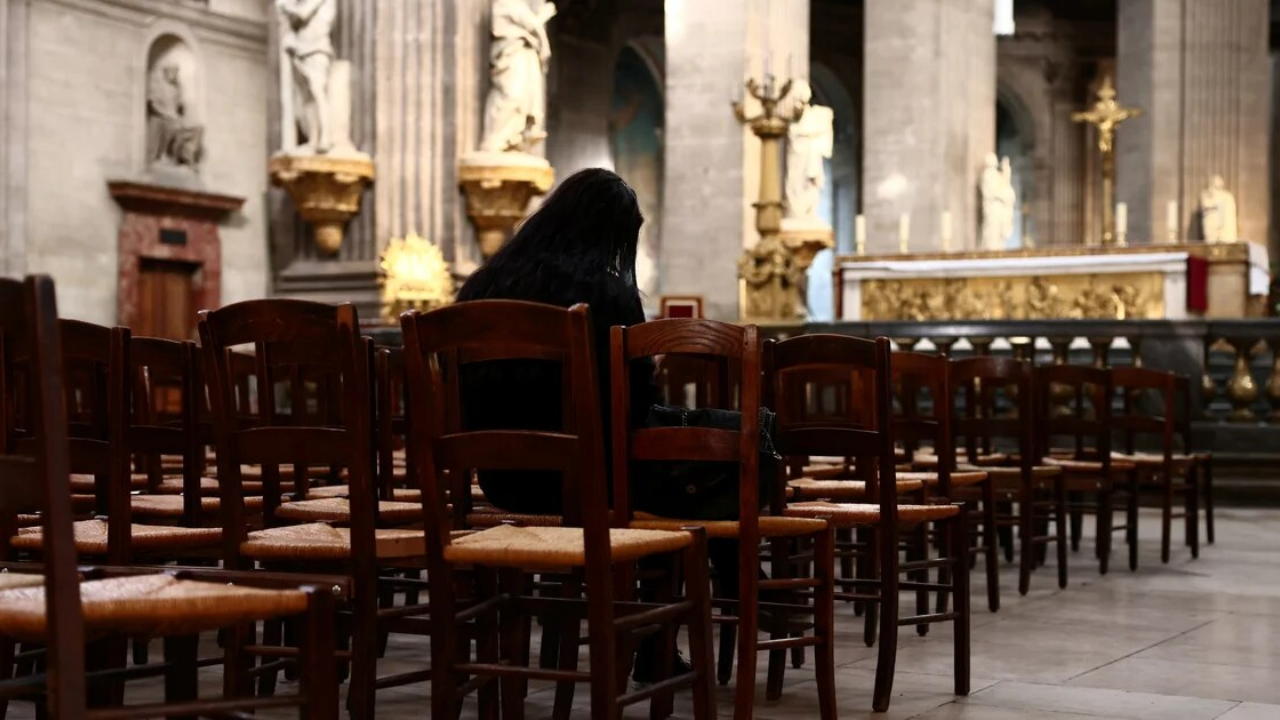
(636, 147)
(839, 203)
(1016, 140)
(172, 84)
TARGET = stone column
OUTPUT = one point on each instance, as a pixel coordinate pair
(929, 110)
(1200, 70)
(712, 163)
(13, 136)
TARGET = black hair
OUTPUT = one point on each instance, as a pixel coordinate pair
(588, 227)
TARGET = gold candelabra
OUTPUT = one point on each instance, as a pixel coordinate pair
(772, 277)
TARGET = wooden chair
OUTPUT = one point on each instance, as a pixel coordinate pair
(1090, 471)
(270, 438)
(1037, 491)
(792, 368)
(437, 346)
(726, 345)
(52, 605)
(1167, 469)
(926, 379)
(99, 358)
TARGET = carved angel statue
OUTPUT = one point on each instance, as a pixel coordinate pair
(519, 52)
(305, 40)
(1218, 218)
(999, 199)
(810, 142)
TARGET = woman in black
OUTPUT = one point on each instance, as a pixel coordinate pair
(579, 247)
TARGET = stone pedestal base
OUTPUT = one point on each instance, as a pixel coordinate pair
(326, 190)
(498, 187)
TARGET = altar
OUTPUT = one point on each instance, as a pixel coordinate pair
(1149, 282)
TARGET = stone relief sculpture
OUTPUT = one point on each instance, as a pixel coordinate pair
(999, 201)
(810, 142)
(306, 44)
(519, 52)
(173, 139)
(1218, 219)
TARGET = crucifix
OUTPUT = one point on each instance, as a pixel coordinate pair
(1104, 116)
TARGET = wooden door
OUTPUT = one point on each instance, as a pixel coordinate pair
(166, 302)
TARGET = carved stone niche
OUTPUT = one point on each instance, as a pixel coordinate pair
(171, 226)
(174, 146)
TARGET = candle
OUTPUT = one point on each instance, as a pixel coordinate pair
(1122, 223)
(1171, 222)
(946, 231)
(904, 233)
(860, 234)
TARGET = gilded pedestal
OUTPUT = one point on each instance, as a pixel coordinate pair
(326, 190)
(498, 188)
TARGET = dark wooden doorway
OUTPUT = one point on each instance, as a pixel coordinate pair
(166, 299)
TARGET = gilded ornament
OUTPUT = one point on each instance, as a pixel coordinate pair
(415, 276)
(326, 190)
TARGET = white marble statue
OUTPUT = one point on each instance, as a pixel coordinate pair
(515, 110)
(810, 141)
(172, 138)
(306, 43)
(999, 201)
(1218, 218)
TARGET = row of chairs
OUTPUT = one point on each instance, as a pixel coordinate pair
(308, 488)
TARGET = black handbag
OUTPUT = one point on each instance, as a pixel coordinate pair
(700, 490)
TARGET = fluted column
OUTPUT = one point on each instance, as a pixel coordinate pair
(929, 103)
(1200, 69)
(13, 136)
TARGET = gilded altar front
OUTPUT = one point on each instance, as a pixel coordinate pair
(1135, 283)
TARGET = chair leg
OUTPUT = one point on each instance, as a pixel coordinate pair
(568, 633)
(272, 636)
(487, 642)
(236, 663)
(779, 549)
(513, 630)
(1060, 527)
(1131, 519)
(992, 551)
(824, 624)
(1208, 501)
(748, 630)
(1193, 511)
(7, 650)
(962, 603)
(180, 683)
(1166, 519)
(316, 645)
(1026, 522)
(1077, 520)
(1104, 530)
(361, 699)
(698, 590)
(888, 610)
(918, 550)
(872, 571)
(444, 645)
(603, 644)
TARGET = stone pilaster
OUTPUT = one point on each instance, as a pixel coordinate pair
(929, 103)
(711, 174)
(1200, 69)
(13, 136)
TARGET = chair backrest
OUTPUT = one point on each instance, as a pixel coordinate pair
(167, 399)
(1073, 402)
(39, 480)
(392, 410)
(920, 378)
(438, 346)
(720, 344)
(284, 332)
(798, 369)
(1150, 408)
(996, 412)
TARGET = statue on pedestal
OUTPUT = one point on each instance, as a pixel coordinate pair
(172, 139)
(998, 202)
(519, 51)
(1218, 219)
(810, 142)
(306, 44)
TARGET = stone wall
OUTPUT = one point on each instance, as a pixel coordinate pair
(84, 93)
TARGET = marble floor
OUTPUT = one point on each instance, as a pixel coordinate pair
(1191, 640)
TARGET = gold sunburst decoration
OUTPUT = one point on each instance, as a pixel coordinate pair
(415, 275)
